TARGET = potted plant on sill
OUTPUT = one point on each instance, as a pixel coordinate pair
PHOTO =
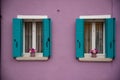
(94, 52)
(32, 52)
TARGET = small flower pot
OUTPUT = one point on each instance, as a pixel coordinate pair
(94, 55)
(32, 54)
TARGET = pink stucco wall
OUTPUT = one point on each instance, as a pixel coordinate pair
(62, 65)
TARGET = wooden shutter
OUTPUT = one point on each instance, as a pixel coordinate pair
(46, 37)
(79, 38)
(110, 38)
(17, 40)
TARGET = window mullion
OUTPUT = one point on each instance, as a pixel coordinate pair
(93, 36)
(34, 35)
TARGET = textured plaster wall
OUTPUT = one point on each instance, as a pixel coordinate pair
(62, 65)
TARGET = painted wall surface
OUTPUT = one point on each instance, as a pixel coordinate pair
(0, 39)
(62, 65)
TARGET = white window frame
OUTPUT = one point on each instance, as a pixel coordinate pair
(33, 18)
(100, 57)
(94, 36)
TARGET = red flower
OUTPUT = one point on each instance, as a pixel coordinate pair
(94, 51)
(32, 50)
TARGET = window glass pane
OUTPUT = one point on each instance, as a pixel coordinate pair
(28, 36)
(99, 36)
(88, 37)
(39, 37)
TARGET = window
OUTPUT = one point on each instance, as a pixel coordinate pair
(32, 37)
(95, 32)
(31, 32)
(94, 36)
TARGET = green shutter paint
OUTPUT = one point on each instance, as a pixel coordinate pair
(17, 40)
(110, 37)
(114, 38)
(46, 37)
(79, 38)
(50, 37)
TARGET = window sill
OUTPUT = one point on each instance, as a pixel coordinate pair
(38, 56)
(32, 58)
(96, 59)
(99, 58)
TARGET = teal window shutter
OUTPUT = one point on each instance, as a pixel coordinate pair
(46, 37)
(17, 40)
(79, 38)
(50, 36)
(110, 37)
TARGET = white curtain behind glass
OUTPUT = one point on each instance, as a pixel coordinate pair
(39, 37)
(99, 36)
(28, 36)
(88, 37)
